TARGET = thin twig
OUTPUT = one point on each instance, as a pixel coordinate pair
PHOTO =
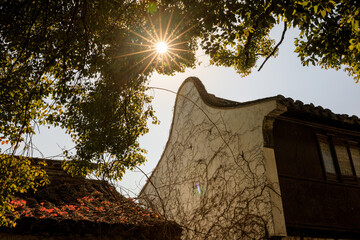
(156, 190)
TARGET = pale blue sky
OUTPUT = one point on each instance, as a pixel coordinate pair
(283, 75)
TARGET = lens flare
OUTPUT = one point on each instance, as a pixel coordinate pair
(161, 47)
(198, 188)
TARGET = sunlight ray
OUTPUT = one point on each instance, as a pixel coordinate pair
(174, 30)
(160, 44)
(177, 55)
(168, 25)
(155, 55)
(140, 44)
(179, 49)
(154, 29)
(181, 34)
(167, 61)
(142, 60)
(162, 64)
(157, 62)
(154, 40)
(173, 60)
(139, 35)
(161, 34)
(175, 44)
(134, 53)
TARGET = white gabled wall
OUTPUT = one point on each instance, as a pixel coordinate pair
(212, 176)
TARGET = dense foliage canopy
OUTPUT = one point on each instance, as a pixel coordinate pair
(83, 65)
(236, 33)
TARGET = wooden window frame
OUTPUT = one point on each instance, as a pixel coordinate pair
(344, 177)
(355, 144)
(333, 141)
(328, 175)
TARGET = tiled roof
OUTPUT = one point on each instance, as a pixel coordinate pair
(316, 111)
(309, 111)
(75, 205)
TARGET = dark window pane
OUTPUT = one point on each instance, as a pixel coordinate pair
(343, 160)
(326, 154)
(355, 155)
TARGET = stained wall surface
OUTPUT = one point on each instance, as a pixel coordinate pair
(212, 178)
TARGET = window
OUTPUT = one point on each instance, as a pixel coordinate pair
(355, 156)
(341, 158)
(326, 154)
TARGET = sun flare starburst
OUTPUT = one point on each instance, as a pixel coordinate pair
(163, 46)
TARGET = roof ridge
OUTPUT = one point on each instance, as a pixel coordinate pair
(291, 104)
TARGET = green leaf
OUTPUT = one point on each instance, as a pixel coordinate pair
(356, 25)
(323, 13)
(316, 8)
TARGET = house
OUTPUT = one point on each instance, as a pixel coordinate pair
(272, 168)
(79, 208)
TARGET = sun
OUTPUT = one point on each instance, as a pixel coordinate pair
(161, 47)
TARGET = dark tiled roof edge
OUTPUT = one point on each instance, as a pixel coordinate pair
(317, 111)
(289, 103)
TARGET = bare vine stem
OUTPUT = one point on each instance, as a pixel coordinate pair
(232, 195)
(206, 115)
(157, 192)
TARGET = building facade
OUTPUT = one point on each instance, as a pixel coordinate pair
(270, 168)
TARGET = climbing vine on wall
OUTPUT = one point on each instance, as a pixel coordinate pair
(211, 179)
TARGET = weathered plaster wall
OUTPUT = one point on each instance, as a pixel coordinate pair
(212, 176)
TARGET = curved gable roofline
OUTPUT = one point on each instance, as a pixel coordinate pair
(213, 101)
(286, 103)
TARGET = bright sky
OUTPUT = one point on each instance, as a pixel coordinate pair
(283, 75)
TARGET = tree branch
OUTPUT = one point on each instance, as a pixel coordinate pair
(276, 47)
